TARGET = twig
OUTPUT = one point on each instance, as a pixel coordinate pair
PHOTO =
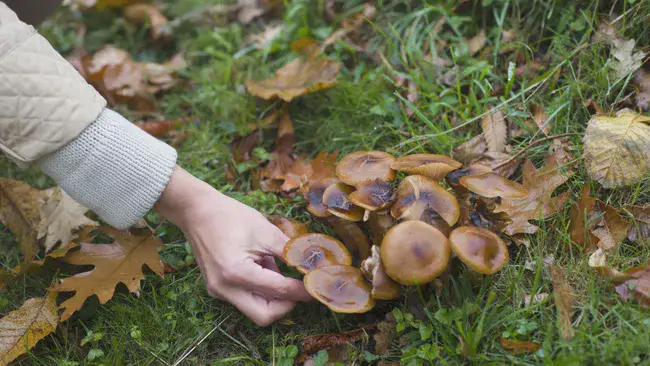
(196, 344)
(534, 143)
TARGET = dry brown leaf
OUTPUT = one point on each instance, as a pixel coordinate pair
(500, 163)
(519, 347)
(582, 217)
(263, 39)
(351, 24)
(471, 150)
(384, 336)
(564, 297)
(20, 212)
(141, 13)
(314, 343)
(21, 329)
(538, 204)
(60, 216)
(611, 229)
(640, 228)
(251, 9)
(626, 60)
(617, 149)
(118, 262)
(476, 43)
(495, 131)
(540, 117)
(298, 77)
(642, 81)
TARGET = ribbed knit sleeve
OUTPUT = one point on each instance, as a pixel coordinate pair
(114, 168)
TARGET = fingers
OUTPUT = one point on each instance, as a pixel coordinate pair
(274, 241)
(257, 308)
(269, 263)
(272, 284)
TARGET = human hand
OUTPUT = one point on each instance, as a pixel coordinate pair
(234, 246)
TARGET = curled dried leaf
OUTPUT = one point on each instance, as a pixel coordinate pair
(495, 131)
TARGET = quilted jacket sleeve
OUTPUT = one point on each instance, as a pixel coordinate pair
(44, 102)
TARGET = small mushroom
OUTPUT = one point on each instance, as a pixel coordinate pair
(492, 185)
(383, 287)
(315, 197)
(372, 195)
(352, 236)
(432, 166)
(289, 227)
(309, 251)
(453, 178)
(417, 195)
(358, 166)
(480, 249)
(380, 222)
(338, 203)
(414, 252)
(341, 288)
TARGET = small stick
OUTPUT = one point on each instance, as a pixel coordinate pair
(534, 143)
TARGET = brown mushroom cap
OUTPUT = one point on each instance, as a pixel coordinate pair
(480, 249)
(383, 287)
(315, 197)
(352, 236)
(341, 288)
(453, 178)
(414, 252)
(432, 166)
(492, 185)
(338, 203)
(416, 195)
(358, 166)
(373, 194)
(289, 227)
(309, 251)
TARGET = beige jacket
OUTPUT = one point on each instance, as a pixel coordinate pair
(50, 116)
(44, 102)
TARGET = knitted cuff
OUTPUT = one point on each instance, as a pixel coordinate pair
(114, 168)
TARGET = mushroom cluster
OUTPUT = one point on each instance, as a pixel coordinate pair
(416, 225)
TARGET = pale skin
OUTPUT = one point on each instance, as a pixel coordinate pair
(234, 246)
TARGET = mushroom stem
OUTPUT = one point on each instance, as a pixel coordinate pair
(352, 236)
(380, 222)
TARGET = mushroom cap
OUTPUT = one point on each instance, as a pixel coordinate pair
(432, 166)
(341, 288)
(309, 251)
(383, 287)
(363, 165)
(453, 178)
(315, 197)
(352, 236)
(414, 252)
(338, 203)
(416, 195)
(480, 249)
(492, 185)
(372, 194)
(289, 227)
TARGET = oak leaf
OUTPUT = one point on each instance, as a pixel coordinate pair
(298, 77)
(617, 149)
(149, 14)
(564, 297)
(471, 150)
(60, 216)
(21, 329)
(640, 228)
(495, 131)
(118, 262)
(538, 204)
(20, 212)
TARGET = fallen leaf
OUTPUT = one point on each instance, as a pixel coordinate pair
(160, 128)
(298, 77)
(538, 204)
(561, 148)
(265, 38)
(60, 216)
(314, 343)
(21, 329)
(564, 297)
(149, 14)
(476, 43)
(471, 150)
(611, 229)
(118, 262)
(351, 24)
(626, 60)
(640, 228)
(582, 216)
(495, 131)
(540, 117)
(642, 81)
(532, 300)
(634, 284)
(519, 347)
(617, 149)
(384, 336)
(20, 212)
(500, 163)
(251, 9)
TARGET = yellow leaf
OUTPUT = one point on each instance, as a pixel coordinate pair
(20, 212)
(148, 14)
(617, 149)
(21, 329)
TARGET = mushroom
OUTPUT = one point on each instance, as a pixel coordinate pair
(341, 288)
(480, 249)
(372, 194)
(414, 252)
(383, 287)
(336, 199)
(309, 251)
(492, 185)
(315, 197)
(453, 178)
(352, 236)
(380, 222)
(289, 227)
(416, 196)
(432, 166)
(358, 166)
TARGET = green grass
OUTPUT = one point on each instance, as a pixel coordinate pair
(365, 111)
